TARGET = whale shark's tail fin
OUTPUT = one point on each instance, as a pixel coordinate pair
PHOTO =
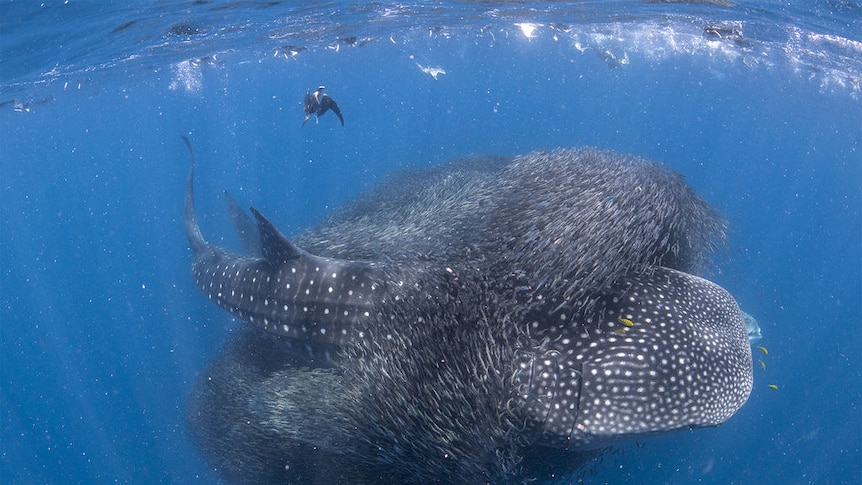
(193, 232)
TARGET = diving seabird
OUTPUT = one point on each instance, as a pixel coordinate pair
(317, 103)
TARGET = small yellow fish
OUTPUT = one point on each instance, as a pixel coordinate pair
(763, 349)
(773, 387)
(762, 363)
(620, 331)
(626, 322)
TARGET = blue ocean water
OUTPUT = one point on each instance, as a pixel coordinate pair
(103, 333)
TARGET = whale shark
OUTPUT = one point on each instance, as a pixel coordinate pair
(477, 313)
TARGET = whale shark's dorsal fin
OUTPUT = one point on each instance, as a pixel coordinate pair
(282, 289)
(274, 246)
(245, 228)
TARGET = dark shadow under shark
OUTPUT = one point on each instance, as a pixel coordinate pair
(489, 320)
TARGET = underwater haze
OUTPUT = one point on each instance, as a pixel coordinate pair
(103, 333)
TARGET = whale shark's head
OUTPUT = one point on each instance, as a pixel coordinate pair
(663, 351)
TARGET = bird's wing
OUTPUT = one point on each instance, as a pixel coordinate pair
(328, 103)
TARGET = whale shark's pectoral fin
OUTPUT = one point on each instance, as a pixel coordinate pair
(245, 228)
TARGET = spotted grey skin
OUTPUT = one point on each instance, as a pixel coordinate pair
(285, 290)
(493, 320)
(658, 356)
